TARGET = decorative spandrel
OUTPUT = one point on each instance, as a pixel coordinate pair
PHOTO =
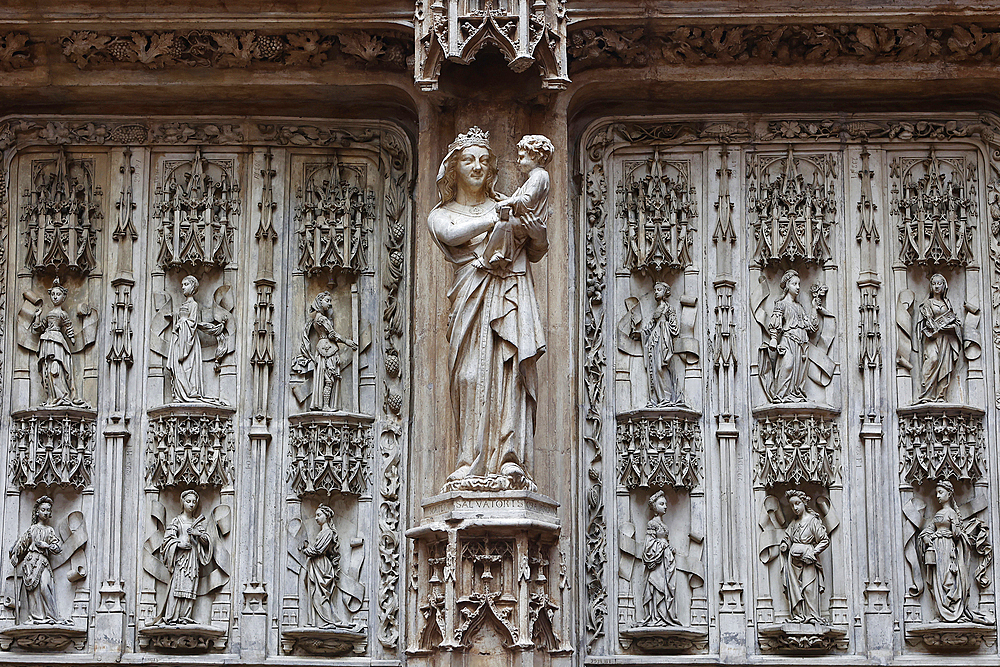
(657, 210)
(935, 202)
(196, 213)
(61, 215)
(792, 201)
(335, 217)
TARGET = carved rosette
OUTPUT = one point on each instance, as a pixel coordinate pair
(659, 449)
(190, 445)
(53, 447)
(941, 443)
(330, 454)
(796, 448)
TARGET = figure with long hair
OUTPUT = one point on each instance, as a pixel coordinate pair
(184, 357)
(30, 557)
(805, 539)
(321, 573)
(660, 559)
(323, 358)
(939, 332)
(658, 349)
(186, 549)
(495, 334)
(945, 545)
(785, 357)
(55, 361)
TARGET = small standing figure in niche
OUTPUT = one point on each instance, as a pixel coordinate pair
(658, 351)
(55, 361)
(531, 200)
(946, 545)
(784, 359)
(940, 334)
(186, 549)
(661, 566)
(321, 575)
(805, 539)
(184, 359)
(322, 360)
(30, 558)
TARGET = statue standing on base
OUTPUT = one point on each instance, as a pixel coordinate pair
(30, 558)
(495, 336)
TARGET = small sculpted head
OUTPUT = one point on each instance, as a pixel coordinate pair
(324, 514)
(42, 510)
(534, 150)
(189, 286)
(470, 165)
(944, 492)
(661, 291)
(798, 500)
(658, 503)
(939, 285)
(189, 501)
(57, 293)
(790, 282)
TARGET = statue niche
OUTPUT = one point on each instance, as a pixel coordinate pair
(330, 592)
(188, 560)
(54, 337)
(664, 350)
(35, 556)
(797, 340)
(323, 355)
(180, 334)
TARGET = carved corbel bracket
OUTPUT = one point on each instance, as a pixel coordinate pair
(323, 641)
(191, 638)
(43, 637)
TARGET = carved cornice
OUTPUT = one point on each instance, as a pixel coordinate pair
(147, 49)
(865, 43)
(235, 49)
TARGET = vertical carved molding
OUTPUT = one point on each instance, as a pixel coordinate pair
(594, 363)
(724, 360)
(878, 609)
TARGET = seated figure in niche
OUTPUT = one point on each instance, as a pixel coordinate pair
(30, 557)
(322, 359)
(939, 332)
(660, 560)
(805, 539)
(946, 544)
(184, 358)
(186, 550)
(324, 604)
(55, 362)
(784, 358)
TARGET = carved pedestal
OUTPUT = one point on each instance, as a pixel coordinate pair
(802, 638)
(323, 641)
(667, 639)
(43, 637)
(484, 574)
(193, 638)
(951, 636)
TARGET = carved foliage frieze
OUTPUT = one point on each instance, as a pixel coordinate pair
(659, 451)
(52, 448)
(330, 455)
(61, 215)
(934, 201)
(796, 449)
(657, 209)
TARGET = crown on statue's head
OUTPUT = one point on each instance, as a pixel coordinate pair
(474, 137)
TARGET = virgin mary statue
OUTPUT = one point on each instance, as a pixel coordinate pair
(495, 331)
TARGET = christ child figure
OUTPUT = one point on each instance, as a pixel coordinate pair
(527, 208)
